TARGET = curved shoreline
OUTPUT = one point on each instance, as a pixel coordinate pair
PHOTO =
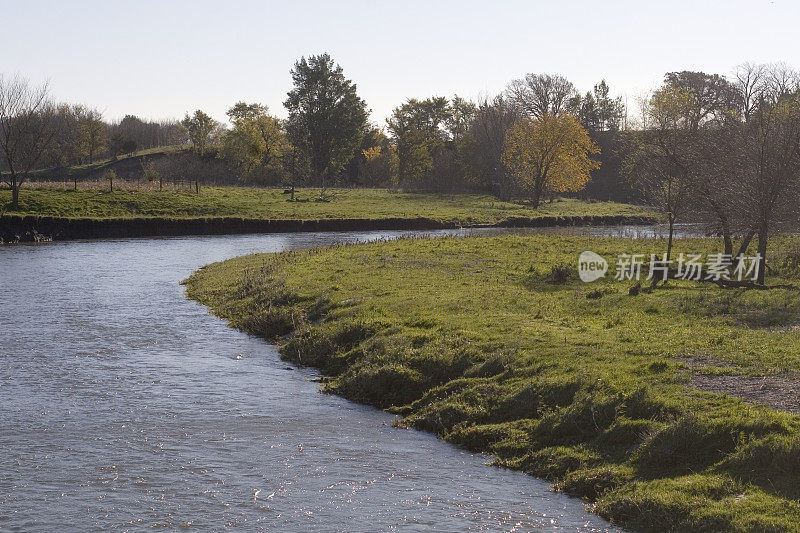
(16, 228)
(599, 413)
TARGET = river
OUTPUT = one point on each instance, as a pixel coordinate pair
(127, 406)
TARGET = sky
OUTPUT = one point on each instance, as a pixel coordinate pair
(161, 59)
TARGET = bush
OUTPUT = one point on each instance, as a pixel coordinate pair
(561, 273)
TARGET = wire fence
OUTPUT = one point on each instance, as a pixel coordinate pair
(118, 184)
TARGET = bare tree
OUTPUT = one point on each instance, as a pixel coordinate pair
(541, 94)
(750, 83)
(682, 121)
(662, 179)
(483, 145)
(26, 130)
(781, 81)
(772, 168)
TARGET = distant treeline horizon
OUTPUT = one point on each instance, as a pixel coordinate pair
(435, 144)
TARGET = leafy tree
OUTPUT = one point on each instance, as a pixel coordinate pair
(327, 118)
(550, 153)
(91, 132)
(257, 141)
(200, 128)
(426, 133)
(379, 165)
(709, 96)
(460, 117)
(610, 111)
(596, 110)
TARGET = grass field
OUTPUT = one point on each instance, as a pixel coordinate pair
(618, 399)
(249, 202)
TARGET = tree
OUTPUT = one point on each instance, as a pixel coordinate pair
(379, 165)
(146, 134)
(26, 130)
(200, 128)
(460, 117)
(418, 129)
(550, 153)
(610, 111)
(91, 132)
(772, 168)
(327, 118)
(661, 181)
(750, 84)
(682, 118)
(541, 94)
(66, 146)
(482, 146)
(708, 96)
(257, 141)
(430, 135)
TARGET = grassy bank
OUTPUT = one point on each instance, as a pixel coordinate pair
(618, 399)
(259, 203)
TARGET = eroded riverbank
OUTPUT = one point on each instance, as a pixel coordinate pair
(478, 341)
(15, 228)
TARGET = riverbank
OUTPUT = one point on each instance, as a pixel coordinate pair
(615, 398)
(273, 204)
(35, 228)
(63, 214)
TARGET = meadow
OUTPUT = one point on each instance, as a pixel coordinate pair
(262, 203)
(668, 410)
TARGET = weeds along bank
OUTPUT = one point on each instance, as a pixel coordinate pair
(583, 384)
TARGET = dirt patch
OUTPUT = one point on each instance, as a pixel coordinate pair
(778, 392)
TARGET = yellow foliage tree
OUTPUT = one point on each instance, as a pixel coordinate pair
(550, 153)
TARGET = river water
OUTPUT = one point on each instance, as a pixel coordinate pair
(127, 406)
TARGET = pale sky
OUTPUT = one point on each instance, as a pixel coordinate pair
(160, 59)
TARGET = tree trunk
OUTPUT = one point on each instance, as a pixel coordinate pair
(14, 196)
(748, 238)
(726, 234)
(537, 195)
(669, 240)
(763, 235)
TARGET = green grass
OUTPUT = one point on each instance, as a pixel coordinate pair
(584, 385)
(260, 203)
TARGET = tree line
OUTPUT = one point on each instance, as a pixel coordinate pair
(727, 148)
(723, 149)
(436, 144)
